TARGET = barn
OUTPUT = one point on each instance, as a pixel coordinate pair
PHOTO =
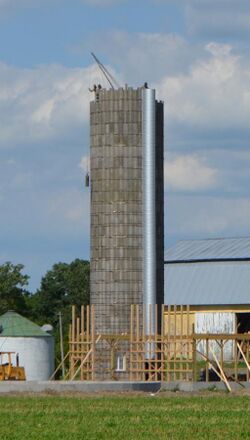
(212, 276)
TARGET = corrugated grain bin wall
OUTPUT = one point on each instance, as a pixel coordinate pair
(34, 346)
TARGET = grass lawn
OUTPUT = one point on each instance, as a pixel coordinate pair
(211, 416)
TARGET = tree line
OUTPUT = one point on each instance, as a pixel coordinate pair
(63, 285)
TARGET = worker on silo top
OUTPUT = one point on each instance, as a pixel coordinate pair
(94, 88)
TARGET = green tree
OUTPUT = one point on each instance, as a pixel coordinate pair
(62, 286)
(13, 295)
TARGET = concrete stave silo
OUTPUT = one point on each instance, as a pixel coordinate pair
(127, 240)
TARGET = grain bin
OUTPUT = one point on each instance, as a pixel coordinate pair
(34, 346)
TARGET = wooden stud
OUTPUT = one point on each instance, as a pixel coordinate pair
(93, 342)
(131, 359)
(221, 370)
(162, 342)
(175, 376)
(235, 361)
(207, 364)
(244, 357)
(82, 336)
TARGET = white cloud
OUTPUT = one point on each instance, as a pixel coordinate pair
(207, 216)
(84, 164)
(189, 173)
(48, 102)
(144, 56)
(218, 49)
(214, 96)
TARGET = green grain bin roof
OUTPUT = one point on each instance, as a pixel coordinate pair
(13, 324)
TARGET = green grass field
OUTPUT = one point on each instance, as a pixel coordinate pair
(211, 416)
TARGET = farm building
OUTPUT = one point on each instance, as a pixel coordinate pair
(33, 347)
(213, 277)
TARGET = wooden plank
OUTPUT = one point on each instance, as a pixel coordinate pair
(59, 366)
(244, 357)
(82, 335)
(73, 323)
(161, 342)
(175, 342)
(221, 370)
(169, 344)
(235, 361)
(247, 353)
(224, 336)
(84, 360)
(88, 335)
(93, 342)
(137, 336)
(169, 321)
(190, 344)
(71, 371)
(131, 359)
(143, 345)
(194, 360)
(181, 337)
(210, 364)
(207, 365)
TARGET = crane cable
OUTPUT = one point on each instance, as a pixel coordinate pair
(111, 80)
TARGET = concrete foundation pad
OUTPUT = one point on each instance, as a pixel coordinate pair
(114, 387)
(77, 386)
(203, 386)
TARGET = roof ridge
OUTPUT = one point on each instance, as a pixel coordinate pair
(213, 238)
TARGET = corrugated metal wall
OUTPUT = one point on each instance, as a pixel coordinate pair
(216, 322)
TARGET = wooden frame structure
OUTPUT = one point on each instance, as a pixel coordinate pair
(169, 352)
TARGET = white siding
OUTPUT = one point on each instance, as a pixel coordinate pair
(216, 322)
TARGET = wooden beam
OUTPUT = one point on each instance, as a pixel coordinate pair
(244, 357)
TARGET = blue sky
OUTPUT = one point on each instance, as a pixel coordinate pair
(194, 52)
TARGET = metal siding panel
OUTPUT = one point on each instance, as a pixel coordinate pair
(149, 205)
(207, 283)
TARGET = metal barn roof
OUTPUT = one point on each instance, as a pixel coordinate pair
(15, 325)
(218, 248)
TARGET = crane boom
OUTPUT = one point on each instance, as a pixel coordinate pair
(111, 80)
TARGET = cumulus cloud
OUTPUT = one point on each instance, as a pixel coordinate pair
(213, 97)
(144, 56)
(189, 173)
(47, 102)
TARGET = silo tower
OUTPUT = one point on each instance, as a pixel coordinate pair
(127, 232)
